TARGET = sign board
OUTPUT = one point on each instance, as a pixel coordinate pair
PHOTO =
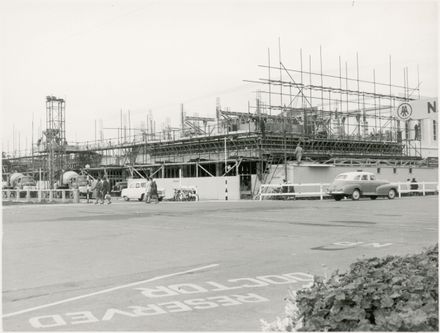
(419, 109)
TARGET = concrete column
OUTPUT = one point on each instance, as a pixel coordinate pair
(39, 195)
(63, 195)
(50, 195)
(218, 169)
(28, 195)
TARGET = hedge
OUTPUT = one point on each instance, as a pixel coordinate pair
(394, 293)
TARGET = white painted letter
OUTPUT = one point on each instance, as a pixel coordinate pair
(53, 321)
(176, 306)
(110, 313)
(306, 277)
(221, 287)
(149, 310)
(187, 288)
(157, 292)
(347, 243)
(82, 317)
(224, 300)
(200, 303)
(255, 284)
(275, 279)
(377, 244)
(250, 298)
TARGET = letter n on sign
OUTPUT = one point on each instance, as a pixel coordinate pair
(432, 107)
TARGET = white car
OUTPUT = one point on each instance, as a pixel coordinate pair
(136, 190)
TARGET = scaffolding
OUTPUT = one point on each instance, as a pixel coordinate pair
(55, 135)
(337, 119)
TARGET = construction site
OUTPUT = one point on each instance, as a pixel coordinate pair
(340, 121)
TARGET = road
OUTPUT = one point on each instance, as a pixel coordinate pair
(196, 266)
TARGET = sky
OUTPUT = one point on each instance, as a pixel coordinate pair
(106, 56)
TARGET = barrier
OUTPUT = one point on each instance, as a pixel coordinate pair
(63, 195)
(293, 191)
(422, 187)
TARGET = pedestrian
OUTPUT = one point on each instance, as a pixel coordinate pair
(98, 189)
(106, 191)
(416, 132)
(88, 189)
(154, 194)
(148, 190)
(298, 153)
(414, 186)
(284, 189)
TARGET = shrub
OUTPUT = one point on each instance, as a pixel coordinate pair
(393, 293)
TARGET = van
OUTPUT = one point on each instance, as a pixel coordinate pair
(136, 190)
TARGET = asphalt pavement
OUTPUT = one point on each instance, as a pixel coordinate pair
(194, 266)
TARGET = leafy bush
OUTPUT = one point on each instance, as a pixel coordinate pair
(379, 294)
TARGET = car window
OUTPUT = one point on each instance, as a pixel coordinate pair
(372, 177)
(132, 185)
(143, 184)
(341, 177)
(364, 177)
(138, 185)
(357, 177)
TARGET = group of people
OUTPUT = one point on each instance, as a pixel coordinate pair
(151, 191)
(102, 188)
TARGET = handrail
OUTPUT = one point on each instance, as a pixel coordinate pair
(40, 195)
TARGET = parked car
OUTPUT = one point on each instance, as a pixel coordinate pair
(136, 190)
(117, 189)
(359, 184)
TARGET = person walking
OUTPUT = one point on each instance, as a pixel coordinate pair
(148, 191)
(88, 189)
(106, 191)
(298, 153)
(154, 194)
(98, 189)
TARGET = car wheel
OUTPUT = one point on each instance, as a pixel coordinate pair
(356, 194)
(373, 197)
(338, 197)
(142, 197)
(391, 194)
(125, 198)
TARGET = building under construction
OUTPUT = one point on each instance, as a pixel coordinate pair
(337, 120)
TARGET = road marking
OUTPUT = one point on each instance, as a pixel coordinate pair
(108, 290)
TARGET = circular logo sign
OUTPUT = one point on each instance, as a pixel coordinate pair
(404, 111)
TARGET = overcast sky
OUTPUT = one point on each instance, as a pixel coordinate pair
(104, 56)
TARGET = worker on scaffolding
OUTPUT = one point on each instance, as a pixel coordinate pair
(417, 132)
(298, 153)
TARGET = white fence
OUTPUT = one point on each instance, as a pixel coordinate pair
(64, 195)
(293, 191)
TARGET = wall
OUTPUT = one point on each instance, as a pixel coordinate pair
(209, 188)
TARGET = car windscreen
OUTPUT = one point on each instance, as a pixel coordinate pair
(339, 177)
